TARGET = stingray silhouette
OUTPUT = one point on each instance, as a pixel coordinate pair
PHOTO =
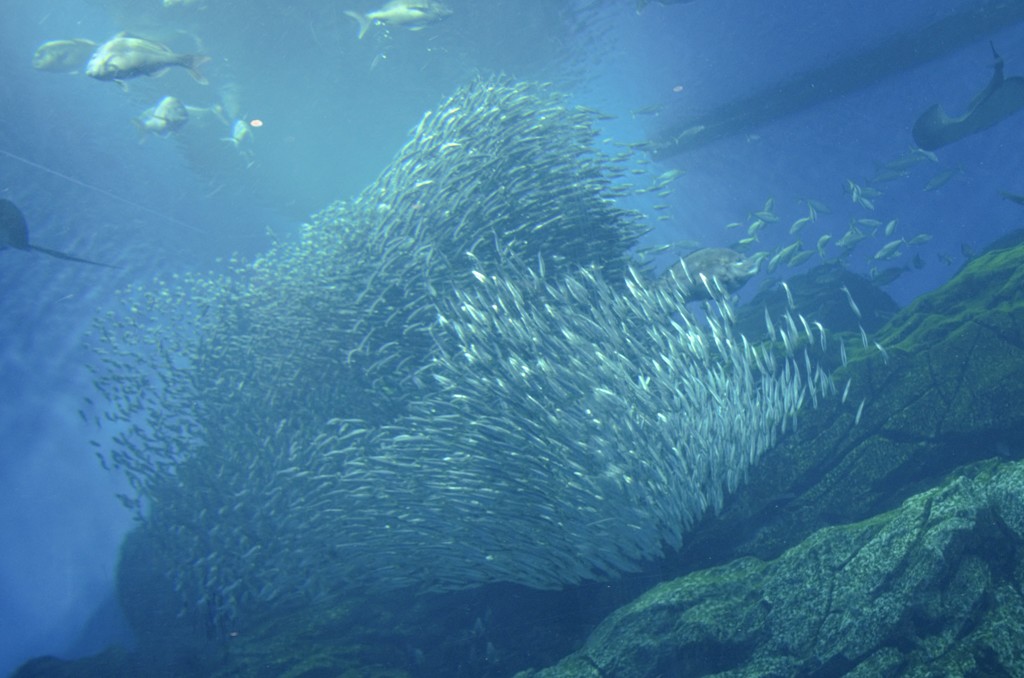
(1001, 98)
(14, 233)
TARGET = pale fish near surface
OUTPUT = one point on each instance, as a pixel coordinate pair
(412, 14)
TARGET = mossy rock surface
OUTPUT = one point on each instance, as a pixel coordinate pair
(931, 588)
(945, 394)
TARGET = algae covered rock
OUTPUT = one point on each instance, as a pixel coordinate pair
(928, 588)
(931, 588)
(943, 391)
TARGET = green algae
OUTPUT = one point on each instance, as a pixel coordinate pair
(930, 588)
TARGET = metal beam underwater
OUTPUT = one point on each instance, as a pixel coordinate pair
(891, 56)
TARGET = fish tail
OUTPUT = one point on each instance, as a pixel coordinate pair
(141, 129)
(67, 257)
(192, 62)
(364, 22)
(218, 110)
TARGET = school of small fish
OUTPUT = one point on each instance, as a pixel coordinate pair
(459, 377)
(839, 246)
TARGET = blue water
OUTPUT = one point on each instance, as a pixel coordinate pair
(334, 111)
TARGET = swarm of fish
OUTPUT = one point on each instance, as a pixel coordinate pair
(578, 429)
(456, 378)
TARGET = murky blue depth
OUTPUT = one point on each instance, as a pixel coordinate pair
(388, 304)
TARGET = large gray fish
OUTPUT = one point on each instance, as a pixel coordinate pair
(14, 233)
(125, 56)
(411, 14)
(730, 268)
(169, 115)
(63, 56)
(1001, 98)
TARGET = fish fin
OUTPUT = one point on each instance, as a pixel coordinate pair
(192, 63)
(218, 110)
(13, 227)
(68, 257)
(141, 129)
(932, 129)
(1012, 197)
(161, 73)
(1004, 101)
(364, 22)
(199, 47)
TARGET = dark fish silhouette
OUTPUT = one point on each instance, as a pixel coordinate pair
(730, 268)
(1000, 99)
(1012, 197)
(14, 233)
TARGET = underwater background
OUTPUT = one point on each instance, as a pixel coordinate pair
(812, 111)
